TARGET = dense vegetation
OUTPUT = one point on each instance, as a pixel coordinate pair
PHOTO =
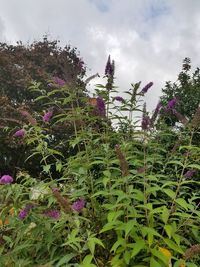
(110, 190)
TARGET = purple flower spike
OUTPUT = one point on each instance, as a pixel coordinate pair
(119, 98)
(55, 214)
(78, 205)
(189, 174)
(20, 133)
(109, 68)
(59, 81)
(6, 179)
(158, 107)
(23, 213)
(146, 88)
(146, 121)
(47, 116)
(100, 107)
(172, 103)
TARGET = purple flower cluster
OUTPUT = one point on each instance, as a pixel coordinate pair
(6, 179)
(158, 107)
(100, 107)
(146, 121)
(55, 214)
(189, 174)
(146, 88)
(110, 68)
(59, 81)
(78, 205)
(119, 98)
(47, 116)
(24, 212)
(172, 103)
(20, 133)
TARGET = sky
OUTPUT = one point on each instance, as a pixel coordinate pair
(148, 39)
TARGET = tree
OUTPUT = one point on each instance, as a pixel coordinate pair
(184, 94)
(52, 67)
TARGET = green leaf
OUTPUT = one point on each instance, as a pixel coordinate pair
(87, 261)
(46, 168)
(173, 246)
(182, 203)
(128, 227)
(119, 243)
(138, 246)
(92, 242)
(65, 259)
(127, 257)
(113, 215)
(170, 193)
(165, 214)
(169, 230)
(194, 166)
(154, 263)
(176, 162)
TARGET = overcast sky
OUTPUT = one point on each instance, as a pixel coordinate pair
(148, 39)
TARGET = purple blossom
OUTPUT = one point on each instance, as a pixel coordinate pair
(155, 114)
(20, 133)
(146, 121)
(55, 214)
(158, 107)
(23, 213)
(59, 81)
(109, 70)
(172, 103)
(119, 98)
(146, 88)
(47, 116)
(189, 174)
(6, 179)
(100, 107)
(78, 205)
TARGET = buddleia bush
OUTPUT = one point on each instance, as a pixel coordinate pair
(124, 197)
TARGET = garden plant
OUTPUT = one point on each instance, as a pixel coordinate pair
(122, 191)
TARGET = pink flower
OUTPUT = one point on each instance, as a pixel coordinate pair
(78, 205)
(47, 116)
(20, 133)
(6, 179)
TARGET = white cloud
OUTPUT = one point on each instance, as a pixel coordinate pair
(147, 38)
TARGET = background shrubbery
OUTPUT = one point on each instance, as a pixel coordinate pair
(87, 193)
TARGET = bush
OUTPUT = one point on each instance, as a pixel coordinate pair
(124, 196)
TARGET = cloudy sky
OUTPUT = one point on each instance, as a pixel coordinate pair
(148, 39)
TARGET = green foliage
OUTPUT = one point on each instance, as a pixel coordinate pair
(122, 194)
(20, 65)
(187, 91)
